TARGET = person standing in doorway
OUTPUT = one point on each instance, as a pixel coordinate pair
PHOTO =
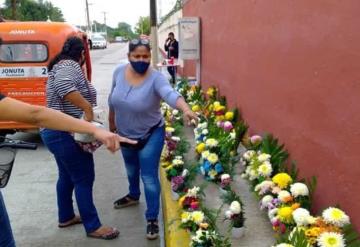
(172, 49)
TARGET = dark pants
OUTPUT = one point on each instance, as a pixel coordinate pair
(172, 72)
(76, 172)
(145, 163)
(6, 236)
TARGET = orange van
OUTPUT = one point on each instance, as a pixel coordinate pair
(26, 48)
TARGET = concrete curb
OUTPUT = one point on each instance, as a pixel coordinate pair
(174, 236)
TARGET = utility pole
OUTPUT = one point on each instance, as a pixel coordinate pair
(89, 26)
(106, 37)
(154, 38)
(13, 8)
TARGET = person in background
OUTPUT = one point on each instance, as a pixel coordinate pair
(134, 103)
(172, 49)
(68, 90)
(13, 110)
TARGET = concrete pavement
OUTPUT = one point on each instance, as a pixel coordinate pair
(30, 195)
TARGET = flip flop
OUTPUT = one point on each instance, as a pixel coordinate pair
(107, 236)
(76, 220)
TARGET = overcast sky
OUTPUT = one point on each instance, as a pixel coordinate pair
(117, 10)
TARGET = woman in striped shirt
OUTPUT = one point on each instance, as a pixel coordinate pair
(69, 91)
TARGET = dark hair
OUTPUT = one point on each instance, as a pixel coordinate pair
(133, 44)
(72, 49)
(172, 34)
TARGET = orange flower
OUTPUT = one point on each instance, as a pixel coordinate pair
(295, 206)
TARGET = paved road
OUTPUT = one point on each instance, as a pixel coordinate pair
(30, 195)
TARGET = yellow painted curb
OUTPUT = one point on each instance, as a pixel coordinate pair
(174, 236)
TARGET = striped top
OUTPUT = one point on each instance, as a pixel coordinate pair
(66, 77)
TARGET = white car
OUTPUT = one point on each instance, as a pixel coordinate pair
(99, 42)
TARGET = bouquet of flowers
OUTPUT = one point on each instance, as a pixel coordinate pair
(235, 215)
(225, 181)
(175, 169)
(190, 201)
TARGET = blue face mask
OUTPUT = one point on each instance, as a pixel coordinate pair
(140, 67)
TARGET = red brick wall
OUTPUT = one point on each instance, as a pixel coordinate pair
(293, 68)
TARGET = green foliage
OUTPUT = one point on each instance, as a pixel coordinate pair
(296, 238)
(270, 145)
(312, 183)
(31, 10)
(351, 236)
(143, 25)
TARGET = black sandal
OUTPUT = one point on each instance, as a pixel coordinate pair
(125, 201)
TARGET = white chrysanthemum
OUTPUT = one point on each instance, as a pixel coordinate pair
(193, 192)
(175, 138)
(265, 169)
(232, 135)
(299, 189)
(177, 162)
(302, 217)
(235, 207)
(228, 214)
(185, 172)
(211, 142)
(205, 154)
(203, 125)
(331, 239)
(225, 177)
(253, 174)
(198, 217)
(335, 216)
(264, 187)
(266, 200)
(284, 195)
(175, 112)
(264, 157)
(179, 157)
(249, 154)
(273, 213)
(205, 132)
(284, 245)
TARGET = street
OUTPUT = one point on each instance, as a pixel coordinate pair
(30, 195)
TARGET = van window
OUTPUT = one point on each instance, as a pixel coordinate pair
(25, 52)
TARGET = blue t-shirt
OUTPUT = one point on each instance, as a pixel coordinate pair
(137, 108)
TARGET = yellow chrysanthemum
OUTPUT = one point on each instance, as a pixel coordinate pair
(195, 108)
(282, 180)
(220, 118)
(213, 158)
(185, 217)
(216, 104)
(198, 217)
(285, 214)
(211, 91)
(219, 108)
(229, 115)
(200, 147)
(169, 129)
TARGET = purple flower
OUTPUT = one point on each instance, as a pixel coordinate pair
(176, 183)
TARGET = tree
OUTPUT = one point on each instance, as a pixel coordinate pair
(124, 30)
(143, 26)
(31, 10)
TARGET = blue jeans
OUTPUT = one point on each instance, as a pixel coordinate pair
(76, 171)
(6, 236)
(145, 163)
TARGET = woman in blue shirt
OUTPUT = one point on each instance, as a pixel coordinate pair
(134, 102)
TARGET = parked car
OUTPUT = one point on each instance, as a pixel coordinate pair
(99, 42)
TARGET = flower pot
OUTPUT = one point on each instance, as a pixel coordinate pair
(174, 195)
(237, 232)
